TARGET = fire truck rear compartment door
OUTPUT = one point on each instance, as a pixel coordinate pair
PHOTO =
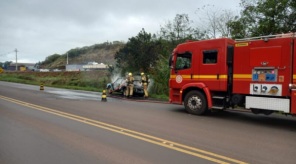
(265, 56)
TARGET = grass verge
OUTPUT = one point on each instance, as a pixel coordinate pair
(88, 81)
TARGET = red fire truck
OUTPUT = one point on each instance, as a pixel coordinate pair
(256, 74)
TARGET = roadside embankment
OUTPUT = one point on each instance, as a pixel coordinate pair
(87, 80)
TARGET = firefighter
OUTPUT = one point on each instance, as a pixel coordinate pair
(130, 85)
(145, 84)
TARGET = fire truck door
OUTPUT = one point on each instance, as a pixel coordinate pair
(213, 70)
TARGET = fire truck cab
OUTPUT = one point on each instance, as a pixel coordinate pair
(257, 74)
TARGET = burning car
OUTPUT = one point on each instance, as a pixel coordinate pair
(119, 86)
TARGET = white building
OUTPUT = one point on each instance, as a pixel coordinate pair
(88, 67)
(95, 65)
(74, 67)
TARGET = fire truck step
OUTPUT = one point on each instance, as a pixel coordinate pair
(218, 107)
(218, 97)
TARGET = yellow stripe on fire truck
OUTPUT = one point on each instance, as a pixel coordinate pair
(209, 76)
(235, 76)
(242, 76)
(200, 76)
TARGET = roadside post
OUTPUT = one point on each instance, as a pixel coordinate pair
(104, 96)
(41, 87)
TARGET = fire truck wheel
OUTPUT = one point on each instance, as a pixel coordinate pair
(195, 103)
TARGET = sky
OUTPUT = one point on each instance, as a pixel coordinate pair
(40, 28)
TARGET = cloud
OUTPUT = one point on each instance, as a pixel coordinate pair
(39, 28)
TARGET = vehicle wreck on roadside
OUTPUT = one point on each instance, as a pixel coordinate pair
(120, 86)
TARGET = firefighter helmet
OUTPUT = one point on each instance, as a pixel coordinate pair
(142, 73)
(130, 74)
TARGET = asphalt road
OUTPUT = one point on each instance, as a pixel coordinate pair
(66, 126)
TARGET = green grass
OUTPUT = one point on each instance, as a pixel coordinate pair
(159, 97)
(60, 81)
(17, 79)
(69, 80)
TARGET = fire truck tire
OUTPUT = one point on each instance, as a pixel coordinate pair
(195, 103)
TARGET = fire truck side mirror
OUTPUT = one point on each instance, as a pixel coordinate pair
(171, 62)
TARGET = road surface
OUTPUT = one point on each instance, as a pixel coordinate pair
(66, 126)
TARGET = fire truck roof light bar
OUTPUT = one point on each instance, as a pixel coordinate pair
(267, 36)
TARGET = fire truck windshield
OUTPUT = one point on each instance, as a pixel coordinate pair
(183, 61)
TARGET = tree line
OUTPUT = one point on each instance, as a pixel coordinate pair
(149, 53)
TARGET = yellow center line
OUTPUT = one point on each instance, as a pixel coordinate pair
(141, 136)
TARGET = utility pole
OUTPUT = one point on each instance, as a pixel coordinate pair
(15, 59)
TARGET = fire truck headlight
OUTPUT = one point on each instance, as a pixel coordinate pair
(292, 86)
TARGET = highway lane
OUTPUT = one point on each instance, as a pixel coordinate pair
(35, 137)
(238, 136)
(30, 136)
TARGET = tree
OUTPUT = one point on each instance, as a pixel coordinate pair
(225, 17)
(37, 65)
(51, 59)
(139, 54)
(78, 51)
(161, 75)
(6, 64)
(264, 17)
(214, 21)
(177, 30)
(238, 28)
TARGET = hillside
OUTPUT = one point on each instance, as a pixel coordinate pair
(101, 53)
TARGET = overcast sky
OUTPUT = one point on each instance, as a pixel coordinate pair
(39, 28)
